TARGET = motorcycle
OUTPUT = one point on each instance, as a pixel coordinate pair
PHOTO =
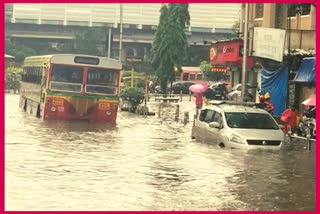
(307, 126)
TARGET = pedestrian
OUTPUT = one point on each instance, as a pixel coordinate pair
(199, 100)
(289, 118)
(268, 104)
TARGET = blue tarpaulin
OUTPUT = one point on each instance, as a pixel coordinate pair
(275, 82)
(307, 70)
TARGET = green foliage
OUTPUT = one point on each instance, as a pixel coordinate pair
(89, 42)
(236, 29)
(134, 95)
(170, 44)
(13, 78)
(205, 68)
(18, 51)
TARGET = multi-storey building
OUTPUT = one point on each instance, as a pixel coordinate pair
(299, 23)
(58, 23)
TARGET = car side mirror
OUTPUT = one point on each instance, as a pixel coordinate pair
(214, 125)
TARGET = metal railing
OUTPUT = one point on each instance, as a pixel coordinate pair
(308, 139)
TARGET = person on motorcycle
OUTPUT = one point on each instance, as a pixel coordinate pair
(261, 103)
(269, 107)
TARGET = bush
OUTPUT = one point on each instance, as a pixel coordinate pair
(205, 68)
(13, 78)
(133, 95)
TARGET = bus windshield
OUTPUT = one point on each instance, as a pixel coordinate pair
(66, 78)
(102, 81)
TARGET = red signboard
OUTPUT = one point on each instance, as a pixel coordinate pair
(228, 53)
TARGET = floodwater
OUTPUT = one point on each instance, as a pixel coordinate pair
(144, 163)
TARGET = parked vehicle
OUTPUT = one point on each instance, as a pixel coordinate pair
(177, 87)
(237, 126)
(307, 126)
(216, 91)
(235, 93)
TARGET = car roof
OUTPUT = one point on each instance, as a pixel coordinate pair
(236, 108)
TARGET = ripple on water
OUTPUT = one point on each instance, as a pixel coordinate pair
(143, 163)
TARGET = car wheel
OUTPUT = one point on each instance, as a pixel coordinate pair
(221, 145)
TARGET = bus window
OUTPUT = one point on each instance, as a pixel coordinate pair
(199, 76)
(192, 77)
(185, 76)
(102, 81)
(66, 78)
(63, 73)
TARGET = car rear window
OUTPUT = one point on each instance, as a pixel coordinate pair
(245, 120)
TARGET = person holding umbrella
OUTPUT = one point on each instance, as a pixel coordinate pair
(198, 90)
(199, 100)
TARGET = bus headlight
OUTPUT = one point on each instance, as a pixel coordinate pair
(53, 109)
(108, 113)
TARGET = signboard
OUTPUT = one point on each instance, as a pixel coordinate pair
(134, 60)
(228, 53)
(269, 43)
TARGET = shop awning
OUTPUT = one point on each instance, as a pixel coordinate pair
(307, 71)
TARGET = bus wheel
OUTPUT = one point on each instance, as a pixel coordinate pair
(25, 105)
(38, 111)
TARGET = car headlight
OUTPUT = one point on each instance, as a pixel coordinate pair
(236, 139)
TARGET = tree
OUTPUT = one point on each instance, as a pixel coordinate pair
(170, 44)
(18, 51)
(205, 68)
(236, 29)
(89, 42)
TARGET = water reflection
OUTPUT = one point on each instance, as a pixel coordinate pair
(143, 163)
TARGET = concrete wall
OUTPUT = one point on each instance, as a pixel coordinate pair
(301, 39)
(302, 27)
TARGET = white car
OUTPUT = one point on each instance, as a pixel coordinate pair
(237, 126)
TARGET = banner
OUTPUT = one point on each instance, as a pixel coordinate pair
(269, 43)
(275, 82)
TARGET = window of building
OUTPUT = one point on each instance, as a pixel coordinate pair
(305, 9)
(302, 9)
(259, 11)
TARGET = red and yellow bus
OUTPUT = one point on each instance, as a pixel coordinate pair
(69, 86)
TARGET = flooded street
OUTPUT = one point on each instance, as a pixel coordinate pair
(144, 163)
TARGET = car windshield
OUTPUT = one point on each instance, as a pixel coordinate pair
(243, 120)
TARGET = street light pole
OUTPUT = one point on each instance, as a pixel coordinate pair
(120, 39)
(245, 44)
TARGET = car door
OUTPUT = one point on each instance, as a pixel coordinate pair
(203, 129)
(200, 125)
(215, 133)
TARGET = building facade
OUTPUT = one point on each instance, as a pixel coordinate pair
(58, 23)
(299, 23)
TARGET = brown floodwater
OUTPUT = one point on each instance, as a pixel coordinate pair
(144, 163)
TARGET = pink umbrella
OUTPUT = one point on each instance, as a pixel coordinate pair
(310, 102)
(197, 88)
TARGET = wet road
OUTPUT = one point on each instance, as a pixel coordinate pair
(143, 164)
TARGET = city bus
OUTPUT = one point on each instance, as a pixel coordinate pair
(191, 74)
(70, 86)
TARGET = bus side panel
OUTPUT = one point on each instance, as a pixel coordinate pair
(30, 98)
